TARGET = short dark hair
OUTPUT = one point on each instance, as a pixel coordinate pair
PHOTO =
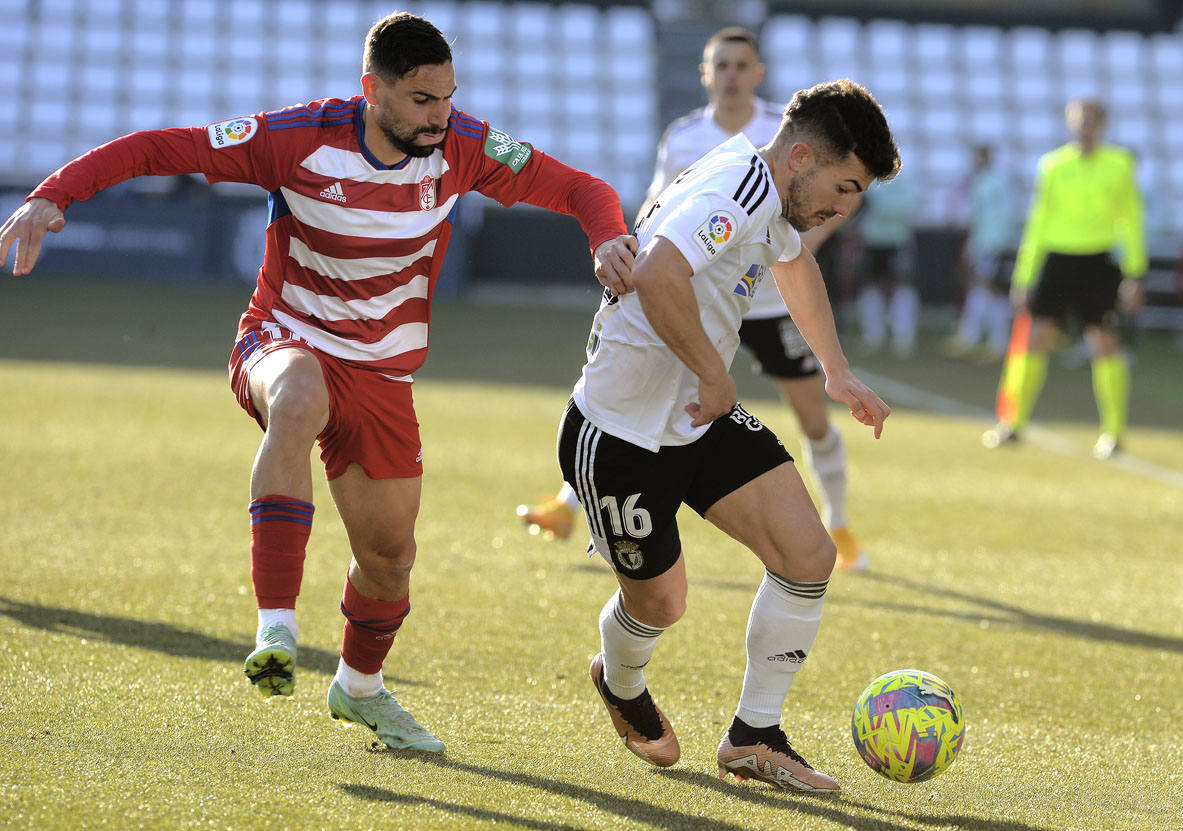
(402, 42)
(842, 117)
(733, 34)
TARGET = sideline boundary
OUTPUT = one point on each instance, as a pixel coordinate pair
(937, 403)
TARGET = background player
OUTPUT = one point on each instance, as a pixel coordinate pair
(990, 228)
(731, 71)
(361, 192)
(654, 423)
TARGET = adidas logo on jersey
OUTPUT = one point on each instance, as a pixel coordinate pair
(334, 192)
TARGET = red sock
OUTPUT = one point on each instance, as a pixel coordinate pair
(370, 626)
(280, 526)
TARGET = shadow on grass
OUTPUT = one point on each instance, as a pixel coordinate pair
(1002, 612)
(832, 807)
(1016, 615)
(155, 635)
(373, 794)
(828, 806)
(623, 806)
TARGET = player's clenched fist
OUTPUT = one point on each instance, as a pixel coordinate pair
(614, 263)
(26, 228)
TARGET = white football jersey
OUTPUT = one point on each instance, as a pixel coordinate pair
(724, 216)
(689, 138)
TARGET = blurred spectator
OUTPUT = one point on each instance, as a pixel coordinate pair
(887, 297)
(1085, 204)
(991, 222)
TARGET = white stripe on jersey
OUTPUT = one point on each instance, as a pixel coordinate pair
(327, 307)
(405, 338)
(358, 222)
(337, 163)
(354, 268)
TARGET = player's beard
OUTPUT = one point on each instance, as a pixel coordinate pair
(796, 209)
(404, 141)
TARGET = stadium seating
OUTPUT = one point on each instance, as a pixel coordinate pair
(580, 80)
(946, 88)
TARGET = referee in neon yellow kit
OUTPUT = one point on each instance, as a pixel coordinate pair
(1085, 205)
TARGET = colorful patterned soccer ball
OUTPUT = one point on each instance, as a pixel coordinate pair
(907, 725)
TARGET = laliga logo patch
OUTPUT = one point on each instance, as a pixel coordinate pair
(721, 226)
(713, 233)
(426, 193)
(228, 133)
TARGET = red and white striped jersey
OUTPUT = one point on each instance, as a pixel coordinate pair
(354, 247)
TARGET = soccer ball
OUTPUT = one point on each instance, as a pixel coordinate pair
(907, 725)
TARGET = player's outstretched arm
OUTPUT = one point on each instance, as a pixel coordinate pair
(26, 230)
(804, 292)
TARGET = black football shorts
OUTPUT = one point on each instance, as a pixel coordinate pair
(779, 348)
(1084, 285)
(631, 495)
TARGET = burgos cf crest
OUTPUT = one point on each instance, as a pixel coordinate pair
(746, 286)
(714, 233)
(628, 554)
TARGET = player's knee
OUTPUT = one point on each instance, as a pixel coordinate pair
(808, 560)
(661, 610)
(815, 425)
(392, 558)
(300, 405)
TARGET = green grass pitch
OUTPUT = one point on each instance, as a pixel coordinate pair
(1045, 587)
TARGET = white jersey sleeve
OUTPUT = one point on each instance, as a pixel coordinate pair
(701, 227)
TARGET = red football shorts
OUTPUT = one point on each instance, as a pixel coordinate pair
(371, 416)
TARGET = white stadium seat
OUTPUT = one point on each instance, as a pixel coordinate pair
(784, 36)
(888, 41)
(988, 125)
(981, 48)
(933, 44)
(1125, 52)
(1029, 50)
(1077, 52)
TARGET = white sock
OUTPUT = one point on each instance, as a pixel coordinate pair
(872, 313)
(268, 617)
(567, 496)
(781, 629)
(826, 460)
(627, 645)
(357, 684)
(904, 312)
(998, 323)
(973, 315)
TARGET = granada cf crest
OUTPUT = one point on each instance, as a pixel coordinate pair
(426, 193)
(628, 554)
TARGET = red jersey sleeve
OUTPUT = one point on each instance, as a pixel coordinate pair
(511, 171)
(239, 150)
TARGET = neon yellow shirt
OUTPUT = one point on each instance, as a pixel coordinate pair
(1083, 205)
